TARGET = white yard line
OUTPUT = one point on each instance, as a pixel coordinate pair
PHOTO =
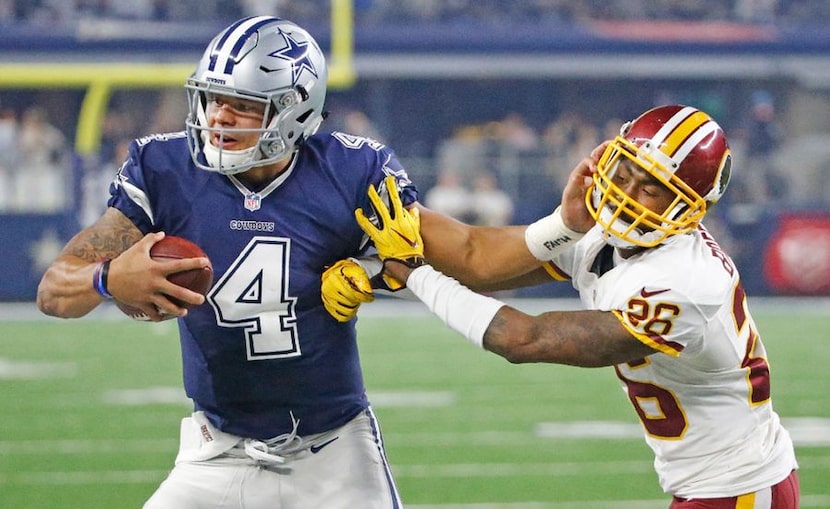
(805, 432)
(444, 471)
(547, 469)
(86, 447)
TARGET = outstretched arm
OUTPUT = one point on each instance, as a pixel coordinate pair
(580, 338)
(484, 258)
(481, 257)
(488, 258)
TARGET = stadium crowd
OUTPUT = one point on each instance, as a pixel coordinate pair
(518, 162)
(407, 11)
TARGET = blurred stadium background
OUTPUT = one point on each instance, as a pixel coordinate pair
(466, 91)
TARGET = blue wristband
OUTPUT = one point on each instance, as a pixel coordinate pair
(99, 279)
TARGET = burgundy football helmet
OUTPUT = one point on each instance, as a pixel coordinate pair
(685, 150)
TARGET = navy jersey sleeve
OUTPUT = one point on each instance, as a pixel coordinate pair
(377, 161)
(139, 183)
(126, 191)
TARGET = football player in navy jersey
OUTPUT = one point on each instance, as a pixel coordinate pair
(281, 417)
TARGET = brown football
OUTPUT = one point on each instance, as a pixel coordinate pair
(197, 280)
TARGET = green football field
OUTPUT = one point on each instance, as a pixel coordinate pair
(91, 411)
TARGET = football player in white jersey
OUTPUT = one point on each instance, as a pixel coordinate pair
(664, 306)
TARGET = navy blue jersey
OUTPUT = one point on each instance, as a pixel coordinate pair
(263, 347)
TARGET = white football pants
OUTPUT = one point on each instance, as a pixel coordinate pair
(343, 468)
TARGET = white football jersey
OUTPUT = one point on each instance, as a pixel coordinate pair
(704, 397)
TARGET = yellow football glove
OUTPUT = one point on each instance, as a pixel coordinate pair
(345, 286)
(397, 235)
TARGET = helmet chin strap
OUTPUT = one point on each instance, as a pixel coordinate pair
(227, 162)
(619, 226)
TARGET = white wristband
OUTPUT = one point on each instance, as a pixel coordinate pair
(465, 311)
(549, 236)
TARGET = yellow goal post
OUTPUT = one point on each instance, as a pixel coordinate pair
(100, 79)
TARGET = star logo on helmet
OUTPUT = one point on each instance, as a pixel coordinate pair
(297, 53)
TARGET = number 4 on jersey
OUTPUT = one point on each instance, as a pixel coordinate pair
(252, 295)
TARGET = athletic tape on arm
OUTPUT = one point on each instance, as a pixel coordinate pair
(465, 311)
(549, 236)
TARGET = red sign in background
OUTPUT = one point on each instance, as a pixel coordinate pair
(797, 257)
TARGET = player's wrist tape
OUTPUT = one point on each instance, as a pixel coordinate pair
(383, 281)
(463, 310)
(99, 279)
(374, 269)
(549, 236)
(413, 262)
(371, 264)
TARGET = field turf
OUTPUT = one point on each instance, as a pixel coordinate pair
(91, 410)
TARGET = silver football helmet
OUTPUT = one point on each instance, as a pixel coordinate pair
(263, 59)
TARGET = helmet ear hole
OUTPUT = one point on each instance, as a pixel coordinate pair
(302, 118)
